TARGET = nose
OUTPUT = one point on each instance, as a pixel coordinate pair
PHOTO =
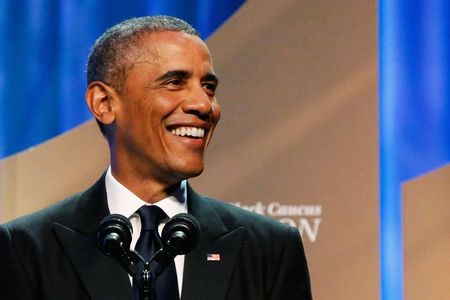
(198, 102)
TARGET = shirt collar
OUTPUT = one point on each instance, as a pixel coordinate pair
(122, 201)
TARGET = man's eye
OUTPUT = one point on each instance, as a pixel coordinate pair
(175, 82)
(210, 87)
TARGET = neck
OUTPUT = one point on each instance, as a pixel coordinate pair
(145, 187)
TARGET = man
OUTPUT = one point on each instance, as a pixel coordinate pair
(151, 88)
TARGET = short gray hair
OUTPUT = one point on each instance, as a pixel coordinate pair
(107, 60)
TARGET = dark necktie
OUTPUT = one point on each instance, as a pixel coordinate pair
(149, 242)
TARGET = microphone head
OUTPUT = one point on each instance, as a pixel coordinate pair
(180, 235)
(114, 234)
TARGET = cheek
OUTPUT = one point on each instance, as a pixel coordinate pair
(163, 105)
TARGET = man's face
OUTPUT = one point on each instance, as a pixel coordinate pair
(166, 113)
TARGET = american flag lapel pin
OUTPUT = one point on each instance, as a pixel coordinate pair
(213, 257)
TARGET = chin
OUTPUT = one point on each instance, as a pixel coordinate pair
(194, 173)
(191, 171)
(187, 166)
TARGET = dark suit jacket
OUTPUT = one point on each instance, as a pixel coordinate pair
(52, 255)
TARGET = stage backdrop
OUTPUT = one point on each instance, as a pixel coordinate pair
(297, 142)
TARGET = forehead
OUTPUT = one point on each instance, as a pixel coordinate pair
(170, 49)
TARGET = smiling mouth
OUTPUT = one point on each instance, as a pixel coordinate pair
(194, 132)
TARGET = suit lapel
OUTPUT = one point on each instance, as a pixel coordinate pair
(209, 279)
(101, 275)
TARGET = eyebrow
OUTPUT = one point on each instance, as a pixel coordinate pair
(211, 77)
(185, 75)
(174, 73)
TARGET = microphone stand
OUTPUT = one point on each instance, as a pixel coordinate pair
(128, 260)
(146, 290)
(163, 257)
(147, 284)
(147, 281)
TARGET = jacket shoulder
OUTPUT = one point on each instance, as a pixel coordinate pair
(56, 212)
(269, 248)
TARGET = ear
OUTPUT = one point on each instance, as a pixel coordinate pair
(100, 97)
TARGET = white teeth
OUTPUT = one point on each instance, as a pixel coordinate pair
(189, 131)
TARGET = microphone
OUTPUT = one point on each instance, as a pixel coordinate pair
(179, 236)
(114, 239)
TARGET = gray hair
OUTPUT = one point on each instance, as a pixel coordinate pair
(108, 61)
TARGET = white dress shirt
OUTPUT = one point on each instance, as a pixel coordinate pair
(122, 201)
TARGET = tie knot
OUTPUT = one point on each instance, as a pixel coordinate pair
(151, 216)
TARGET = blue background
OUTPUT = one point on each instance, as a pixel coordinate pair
(414, 113)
